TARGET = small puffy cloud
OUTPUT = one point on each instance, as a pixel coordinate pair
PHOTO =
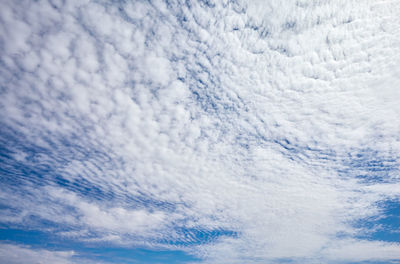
(157, 69)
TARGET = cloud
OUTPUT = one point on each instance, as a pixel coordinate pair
(239, 132)
(15, 254)
(356, 251)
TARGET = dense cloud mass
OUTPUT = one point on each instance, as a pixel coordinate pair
(235, 131)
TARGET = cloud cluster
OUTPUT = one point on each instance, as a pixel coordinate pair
(14, 254)
(241, 132)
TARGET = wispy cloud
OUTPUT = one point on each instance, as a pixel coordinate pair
(238, 132)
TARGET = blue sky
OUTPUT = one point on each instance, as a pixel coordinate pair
(199, 132)
(96, 253)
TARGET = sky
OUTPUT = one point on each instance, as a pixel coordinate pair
(200, 132)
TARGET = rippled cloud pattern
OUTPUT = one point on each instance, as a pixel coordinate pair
(200, 131)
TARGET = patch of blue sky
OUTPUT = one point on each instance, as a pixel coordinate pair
(86, 251)
(384, 227)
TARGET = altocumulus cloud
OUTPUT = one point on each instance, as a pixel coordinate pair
(234, 131)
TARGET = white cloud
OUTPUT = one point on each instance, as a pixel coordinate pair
(356, 251)
(254, 118)
(15, 254)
